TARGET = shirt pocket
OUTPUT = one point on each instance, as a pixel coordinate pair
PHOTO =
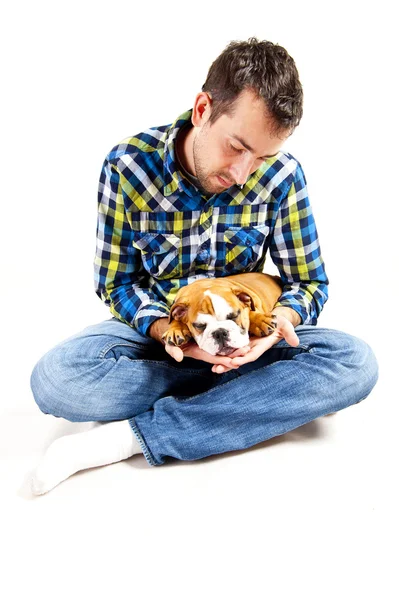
(244, 247)
(159, 253)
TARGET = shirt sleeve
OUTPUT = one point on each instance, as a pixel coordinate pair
(119, 275)
(295, 250)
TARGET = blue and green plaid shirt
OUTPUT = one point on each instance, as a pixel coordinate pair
(156, 231)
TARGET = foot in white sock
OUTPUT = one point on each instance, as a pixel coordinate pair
(104, 444)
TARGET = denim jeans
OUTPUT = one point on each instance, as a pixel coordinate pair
(110, 372)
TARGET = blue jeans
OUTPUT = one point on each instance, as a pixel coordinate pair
(110, 372)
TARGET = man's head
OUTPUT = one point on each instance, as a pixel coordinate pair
(250, 104)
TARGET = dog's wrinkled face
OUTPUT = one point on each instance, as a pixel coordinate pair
(218, 319)
(221, 330)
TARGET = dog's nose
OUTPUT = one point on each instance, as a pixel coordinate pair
(221, 335)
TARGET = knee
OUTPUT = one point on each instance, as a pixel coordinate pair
(59, 378)
(354, 367)
(38, 386)
(44, 379)
(360, 360)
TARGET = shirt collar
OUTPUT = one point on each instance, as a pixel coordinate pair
(174, 182)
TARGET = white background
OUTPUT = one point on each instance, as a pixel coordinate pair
(77, 78)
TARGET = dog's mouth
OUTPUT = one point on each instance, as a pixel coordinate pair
(226, 351)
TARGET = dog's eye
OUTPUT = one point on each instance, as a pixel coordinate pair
(233, 315)
(199, 326)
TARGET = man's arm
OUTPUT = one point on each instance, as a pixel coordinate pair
(295, 250)
(120, 279)
(158, 328)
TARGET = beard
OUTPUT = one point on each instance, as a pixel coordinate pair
(200, 169)
(202, 174)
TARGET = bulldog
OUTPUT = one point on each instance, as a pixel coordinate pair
(220, 314)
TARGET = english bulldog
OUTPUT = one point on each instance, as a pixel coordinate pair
(219, 314)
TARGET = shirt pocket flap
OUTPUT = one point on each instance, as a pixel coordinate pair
(157, 243)
(246, 236)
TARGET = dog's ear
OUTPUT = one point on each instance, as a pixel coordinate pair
(178, 311)
(244, 298)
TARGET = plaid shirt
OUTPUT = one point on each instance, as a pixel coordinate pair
(156, 232)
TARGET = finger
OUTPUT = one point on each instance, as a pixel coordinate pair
(199, 354)
(175, 352)
(288, 332)
(220, 369)
(240, 352)
(292, 338)
(259, 346)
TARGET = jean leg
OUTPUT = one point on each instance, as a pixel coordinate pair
(109, 372)
(331, 370)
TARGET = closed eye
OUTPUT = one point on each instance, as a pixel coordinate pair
(233, 315)
(236, 149)
(200, 326)
(239, 150)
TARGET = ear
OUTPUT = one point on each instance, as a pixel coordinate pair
(244, 298)
(178, 312)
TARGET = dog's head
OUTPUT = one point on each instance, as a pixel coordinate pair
(216, 313)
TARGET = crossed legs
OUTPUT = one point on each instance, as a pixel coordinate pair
(109, 372)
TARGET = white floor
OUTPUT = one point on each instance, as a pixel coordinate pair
(311, 514)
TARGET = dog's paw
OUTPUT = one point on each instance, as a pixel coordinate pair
(177, 334)
(262, 325)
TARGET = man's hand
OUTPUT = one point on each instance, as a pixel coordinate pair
(286, 318)
(257, 346)
(191, 349)
(158, 328)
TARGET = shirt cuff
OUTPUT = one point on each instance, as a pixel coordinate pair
(145, 317)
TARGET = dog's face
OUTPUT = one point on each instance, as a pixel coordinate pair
(218, 318)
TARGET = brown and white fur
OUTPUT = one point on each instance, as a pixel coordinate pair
(219, 314)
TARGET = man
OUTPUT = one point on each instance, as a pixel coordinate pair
(204, 197)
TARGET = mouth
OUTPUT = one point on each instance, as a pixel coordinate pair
(226, 351)
(224, 182)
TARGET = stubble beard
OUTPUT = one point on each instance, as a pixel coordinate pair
(199, 169)
(201, 173)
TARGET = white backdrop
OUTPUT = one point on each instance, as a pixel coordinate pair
(78, 77)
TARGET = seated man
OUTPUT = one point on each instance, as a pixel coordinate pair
(206, 196)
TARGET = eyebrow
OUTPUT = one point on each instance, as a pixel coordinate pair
(248, 147)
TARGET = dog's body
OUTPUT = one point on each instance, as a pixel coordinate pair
(221, 313)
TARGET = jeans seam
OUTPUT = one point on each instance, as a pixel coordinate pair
(113, 344)
(144, 447)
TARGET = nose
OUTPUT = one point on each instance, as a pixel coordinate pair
(220, 335)
(241, 169)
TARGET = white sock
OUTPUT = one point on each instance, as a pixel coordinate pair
(104, 444)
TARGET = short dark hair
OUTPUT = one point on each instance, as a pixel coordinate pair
(263, 67)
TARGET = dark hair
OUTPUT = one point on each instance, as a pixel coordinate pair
(265, 68)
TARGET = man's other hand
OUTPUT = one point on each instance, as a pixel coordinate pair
(191, 349)
(222, 364)
(257, 346)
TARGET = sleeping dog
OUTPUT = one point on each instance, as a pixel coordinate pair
(220, 313)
